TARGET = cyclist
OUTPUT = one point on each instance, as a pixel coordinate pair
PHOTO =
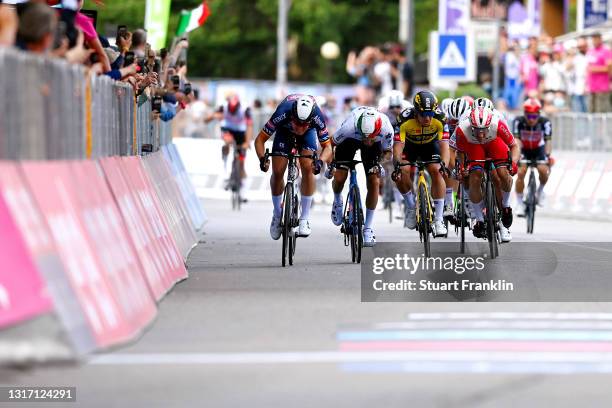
(445, 106)
(459, 109)
(370, 131)
(480, 136)
(534, 133)
(299, 117)
(420, 131)
(236, 126)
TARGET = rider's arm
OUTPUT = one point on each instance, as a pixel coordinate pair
(443, 137)
(216, 115)
(260, 144)
(548, 137)
(327, 152)
(515, 152)
(398, 148)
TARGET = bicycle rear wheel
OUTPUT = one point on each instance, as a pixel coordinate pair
(424, 220)
(234, 183)
(286, 226)
(531, 203)
(294, 223)
(491, 219)
(357, 224)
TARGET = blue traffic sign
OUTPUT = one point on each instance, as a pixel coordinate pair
(452, 56)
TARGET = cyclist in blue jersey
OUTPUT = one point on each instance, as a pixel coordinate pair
(297, 118)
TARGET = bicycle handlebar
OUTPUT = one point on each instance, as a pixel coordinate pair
(280, 154)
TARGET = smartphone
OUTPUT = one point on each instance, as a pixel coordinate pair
(176, 81)
(187, 88)
(128, 59)
(121, 31)
(157, 104)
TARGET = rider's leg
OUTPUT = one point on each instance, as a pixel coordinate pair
(438, 187)
(308, 184)
(277, 183)
(476, 196)
(370, 155)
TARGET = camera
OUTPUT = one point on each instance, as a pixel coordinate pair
(122, 31)
(187, 88)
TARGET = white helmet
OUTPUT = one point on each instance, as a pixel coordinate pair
(369, 124)
(407, 105)
(458, 108)
(445, 105)
(481, 117)
(484, 102)
(303, 109)
(395, 98)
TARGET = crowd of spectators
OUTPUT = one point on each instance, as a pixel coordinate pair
(62, 29)
(378, 70)
(566, 79)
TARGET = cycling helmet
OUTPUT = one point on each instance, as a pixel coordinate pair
(425, 102)
(469, 100)
(459, 108)
(395, 99)
(481, 117)
(233, 103)
(484, 102)
(532, 105)
(369, 123)
(445, 106)
(303, 109)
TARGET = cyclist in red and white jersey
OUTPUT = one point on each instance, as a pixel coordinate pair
(480, 136)
(534, 133)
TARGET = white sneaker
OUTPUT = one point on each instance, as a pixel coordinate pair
(369, 240)
(275, 227)
(520, 210)
(439, 229)
(336, 213)
(541, 199)
(304, 228)
(504, 233)
(410, 217)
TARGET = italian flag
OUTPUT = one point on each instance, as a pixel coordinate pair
(190, 20)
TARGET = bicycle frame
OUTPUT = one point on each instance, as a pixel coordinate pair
(353, 219)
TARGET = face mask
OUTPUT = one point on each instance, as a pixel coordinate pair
(559, 102)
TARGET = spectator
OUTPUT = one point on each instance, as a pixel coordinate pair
(599, 59)
(362, 68)
(37, 24)
(577, 75)
(8, 26)
(139, 41)
(529, 67)
(512, 77)
(552, 72)
(85, 24)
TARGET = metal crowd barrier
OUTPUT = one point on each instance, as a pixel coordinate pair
(50, 110)
(590, 132)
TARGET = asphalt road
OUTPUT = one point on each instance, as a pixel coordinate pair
(243, 331)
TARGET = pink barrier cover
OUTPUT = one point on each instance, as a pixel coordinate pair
(112, 244)
(57, 197)
(23, 292)
(145, 243)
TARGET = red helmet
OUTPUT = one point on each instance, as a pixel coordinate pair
(532, 105)
(481, 117)
(233, 102)
(469, 100)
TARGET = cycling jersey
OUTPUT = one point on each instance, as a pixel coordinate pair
(282, 120)
(348, 129)
(532, 137)
(237, 121)
(494, 145)
(411, 130)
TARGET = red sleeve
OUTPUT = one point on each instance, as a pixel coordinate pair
(504, 133)
(461, 142)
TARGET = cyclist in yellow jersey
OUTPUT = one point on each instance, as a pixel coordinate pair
(418, 137)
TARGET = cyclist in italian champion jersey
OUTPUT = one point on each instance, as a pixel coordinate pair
(298, 120)
(421, 130)
(370, 131)
(534, 133)
(480, 136)
(236, 126)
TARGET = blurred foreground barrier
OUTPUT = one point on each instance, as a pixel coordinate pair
(96, 244)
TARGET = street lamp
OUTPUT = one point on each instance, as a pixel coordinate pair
(330, 51)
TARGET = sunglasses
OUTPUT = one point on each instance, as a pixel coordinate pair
(428, 114)
(532, 116)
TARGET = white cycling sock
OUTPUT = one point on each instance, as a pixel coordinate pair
(477, 210)
(369, 218)
(409, 199)
(338, 198)
(505, 199)
(540, 189)
(277, 201)
(448, 199)
(439, 205)
(306, 203)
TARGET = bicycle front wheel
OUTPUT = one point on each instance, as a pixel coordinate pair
(531, 203)
(491, 219)
(358, 224)
(287, 214)
(461, 217)
(425, 219)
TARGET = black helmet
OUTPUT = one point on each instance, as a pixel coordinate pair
(425, 101)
